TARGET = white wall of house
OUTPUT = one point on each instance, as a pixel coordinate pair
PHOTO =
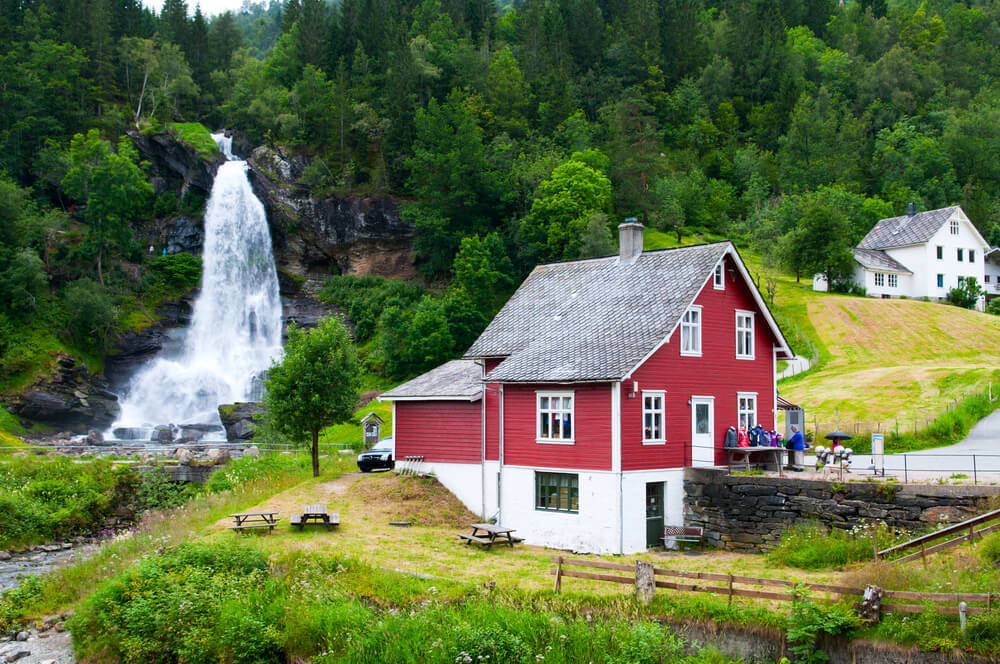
(465, 480)
(991, 268)
(922, 260)
(634, 502)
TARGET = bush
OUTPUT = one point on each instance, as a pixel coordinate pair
(157, 491)
(14, 600)
(177, 271)
(91, 313)
(989, 549)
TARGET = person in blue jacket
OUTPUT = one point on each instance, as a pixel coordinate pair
(796, 447)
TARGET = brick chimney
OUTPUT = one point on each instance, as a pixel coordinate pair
(629, 240)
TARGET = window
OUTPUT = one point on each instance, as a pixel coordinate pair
(880, 279)
(691, 332)
(954, 227)
(940, 281)
(986, 278)
(972, 255)
(557, 492)
(893, 280)
(940, 252)
(744, 335)
(555, 417)
(719, 278)
(747, 409)
(959, 252)
(653, 417)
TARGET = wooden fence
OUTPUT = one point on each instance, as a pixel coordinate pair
(732, 581)
(967, 529)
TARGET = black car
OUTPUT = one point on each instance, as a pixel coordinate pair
(378, 457)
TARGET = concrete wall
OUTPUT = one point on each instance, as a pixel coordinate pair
(749, 513)
(465, 480)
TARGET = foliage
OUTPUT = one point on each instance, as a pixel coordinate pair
(808, 622)
(176, 272)
(814, 546)
(51, 499)
(967, 294)
(315, 384)
(13, 601)
(91, 313)
(157, 491)
(249, 469)
(989, 549)
(197, 136)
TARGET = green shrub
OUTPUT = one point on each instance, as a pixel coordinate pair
(91, 313)
(647, 643)
(176, 271)
(989, 549)
(809, 621)
(14, 600)
(157, 491)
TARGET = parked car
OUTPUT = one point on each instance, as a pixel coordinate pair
(378, 457)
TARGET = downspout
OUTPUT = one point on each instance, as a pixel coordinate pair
(482, 451)
(616, 458)
(500, 468)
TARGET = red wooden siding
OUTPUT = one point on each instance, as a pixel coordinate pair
(446, 431)
(591, 449)
(492, 422)
(717, 373)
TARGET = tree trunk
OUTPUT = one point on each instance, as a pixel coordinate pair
(100, 273)
(315, 452)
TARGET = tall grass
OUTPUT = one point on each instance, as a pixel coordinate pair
(814, 546)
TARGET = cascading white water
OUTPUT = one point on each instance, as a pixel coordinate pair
(236, 326)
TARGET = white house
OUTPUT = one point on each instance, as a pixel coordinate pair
(922, 255)
(992, 268)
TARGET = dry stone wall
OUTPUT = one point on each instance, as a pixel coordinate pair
(749, 513)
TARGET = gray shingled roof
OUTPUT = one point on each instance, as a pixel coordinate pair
(906, 230)
(879, 260)
(596, 319)
(455, 380)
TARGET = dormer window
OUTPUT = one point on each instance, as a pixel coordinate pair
(719, 277)
(691, 332)
(954, 227)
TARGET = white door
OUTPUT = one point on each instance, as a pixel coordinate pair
(702, 432)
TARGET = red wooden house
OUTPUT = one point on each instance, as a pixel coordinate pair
(573, 415)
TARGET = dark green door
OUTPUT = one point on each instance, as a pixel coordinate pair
(654, 514)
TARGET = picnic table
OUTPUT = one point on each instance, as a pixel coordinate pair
(489, 534)
(318, 514)
(743, 454)
(247, 521)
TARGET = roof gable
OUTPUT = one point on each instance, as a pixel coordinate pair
(879, 260)
(906, 230)
(457, 380)
(596, 320)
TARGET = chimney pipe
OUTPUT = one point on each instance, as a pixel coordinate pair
(629, 240)
(911, 209)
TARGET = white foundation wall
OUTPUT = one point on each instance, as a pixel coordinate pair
(594, 529)
(634, 494)
(465, 481)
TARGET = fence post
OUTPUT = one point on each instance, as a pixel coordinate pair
(906, 477)
(645, 581)
(558, 584)
(731, 590)
(975, 479)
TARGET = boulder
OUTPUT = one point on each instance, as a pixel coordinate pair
(161, 434)
(253, 450)
(95, 437)
(5, 555)
(129, 433)
(184, 456)
(237, 418)
(67, 397)
(217, 456)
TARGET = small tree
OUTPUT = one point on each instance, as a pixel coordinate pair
(967, 294)
(314, 386)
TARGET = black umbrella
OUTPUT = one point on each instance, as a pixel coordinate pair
(837, 436)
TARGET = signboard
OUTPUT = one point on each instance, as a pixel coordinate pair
(878, 452)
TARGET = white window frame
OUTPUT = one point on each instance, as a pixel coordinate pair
(740, 332)
(719, 277)
(893, 280)
(954, 227)
(549, 440)
(695, 329)
(661, 412)
(880, 279)
(741, 411)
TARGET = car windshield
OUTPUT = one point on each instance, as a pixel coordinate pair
(384, 445)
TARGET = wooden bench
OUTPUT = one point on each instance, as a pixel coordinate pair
(246, 521)
(687, 534)
(489, 534)
(473, 538)
(248, 526)
(317, 514)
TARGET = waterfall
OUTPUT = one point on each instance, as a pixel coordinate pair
(236, 325)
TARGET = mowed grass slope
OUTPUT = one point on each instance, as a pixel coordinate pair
(888, 359)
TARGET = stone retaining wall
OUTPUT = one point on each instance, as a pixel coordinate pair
(749, 513)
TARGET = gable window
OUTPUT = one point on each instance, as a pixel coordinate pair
(555, 417)
(691, 332)
(747, 409)
(972, 255)
(653, 417)
(880, 279)
(959, 252)
(940, 252)
(744, 335)
(719, 277)
(940, 281)
(954, 227)
(893, 280)
(557, 492)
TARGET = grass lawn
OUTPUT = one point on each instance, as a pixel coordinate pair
(349, 434)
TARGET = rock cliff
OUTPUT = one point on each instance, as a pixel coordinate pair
(70, 397)
(314, 237)
(173, 164)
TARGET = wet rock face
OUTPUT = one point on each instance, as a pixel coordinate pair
(313, 236)
(174, 165)
(134, 348)
(237, 418)
(68, 398)
(184, 234)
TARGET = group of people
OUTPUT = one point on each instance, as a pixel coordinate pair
(757, 436)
